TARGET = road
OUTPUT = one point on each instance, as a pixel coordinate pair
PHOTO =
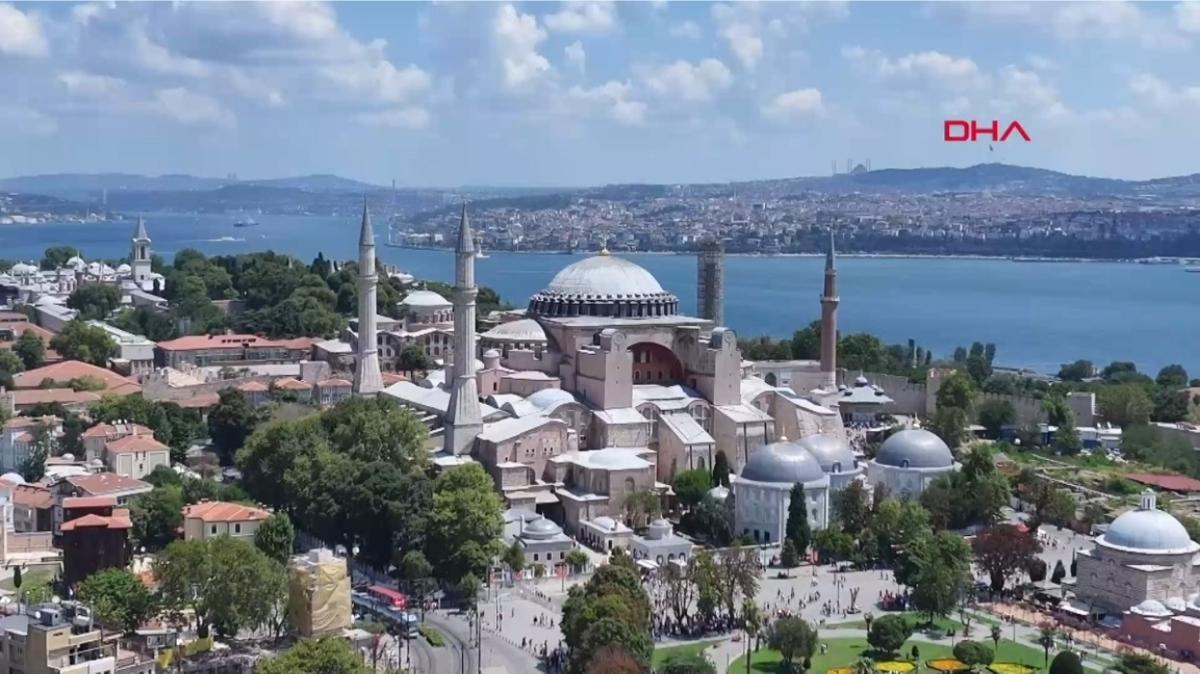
(499, 656)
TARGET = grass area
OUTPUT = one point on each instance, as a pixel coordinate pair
(432, 635)
(918, 621)
(845, 652)
(661, 654)
(29, 579)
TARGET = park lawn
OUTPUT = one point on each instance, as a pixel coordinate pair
(943, 623)
(845, 652)
(661, 654)
(29, 579)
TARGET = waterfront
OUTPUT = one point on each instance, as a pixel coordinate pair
(1038, 314)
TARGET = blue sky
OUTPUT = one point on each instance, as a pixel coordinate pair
(587, 93)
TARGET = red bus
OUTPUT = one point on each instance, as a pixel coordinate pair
(388, 596)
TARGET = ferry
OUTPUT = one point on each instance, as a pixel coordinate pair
(246, 222)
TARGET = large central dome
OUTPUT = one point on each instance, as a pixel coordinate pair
(603, 285)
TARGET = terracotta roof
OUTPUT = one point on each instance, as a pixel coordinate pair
(73, 369)
(32, 496)
(329, 383)
(209, 342)
(66, 396)
(114, 430)
(97, 521)
(98, 484)
(24, 437)
(291, 384)
(223, 511)
(135, 443)
(393, 377)
(200, 401)
(30, 422)
(89, 502)
(18, 328)
(1170, 482)
(252, 386)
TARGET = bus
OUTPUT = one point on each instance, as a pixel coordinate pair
(388, 597)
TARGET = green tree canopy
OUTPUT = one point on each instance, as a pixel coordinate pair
(275, 537)
(156, 516)
(119, 598)
(81, 341)
(56, 257)
(1125, 404)
(888, 633)
(328, 655)
(1172, 376)
(231, 422)
(1066, 662)
(691, 486)
(1076, 371)
(464, 522)
(798, 530)
(95, 301)
(30, 349)
(227, 583)
(974, 653)
(995, 414)
(794, 638)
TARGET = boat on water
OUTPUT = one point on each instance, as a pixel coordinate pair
(246, 222)
(1192, 270)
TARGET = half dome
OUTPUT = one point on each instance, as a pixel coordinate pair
(914, 448)
(782, 463)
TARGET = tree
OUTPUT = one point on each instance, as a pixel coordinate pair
(788, 557)
(156, 516)
(464, 522)
(853, 507)
(614, 660)
(576, 560)
(1046, 636)
(514, 557)
(793, 638)
(417, 570)
(328, 655)
(95, 301)
(709, 520)
(227, 584)
(231, 422)
(942, 570)
(1124, 404)
(1036, 570)
(973, 653)
(1059, 573)
(1066, 662)
(30, 350)
(11, 363)
(1172, 376)
(119, 598)
(1076, 371)
(687, 663)
(1002, 551)
(691, 486)
(33, 467)
(275, 537)
(414, 359)
(56, 257)
(798, 530)
(721, 469)
(832, 544)
(954, 400)
(996, 633)
(995, 414)
(888, 633)
(81, 341)
(641, 506)
(611, 608)
(1138, 663)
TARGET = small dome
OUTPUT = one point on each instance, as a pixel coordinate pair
(860, 381)
(830, 451)
(915, 448)
(491, 353)
(1148, 531)
(541, 529)
(13, 478)
(68, 457)
(124, 268)
(1176, 604)
(659, 529)
(718, 493)
(21, 269)
(1151, 608)
(425, 298)
(782, 463)
(605, 522)
(549, 398)
(524, 330)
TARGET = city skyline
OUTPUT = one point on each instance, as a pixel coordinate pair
(551, 94)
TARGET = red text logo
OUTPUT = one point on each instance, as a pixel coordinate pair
(969, 131)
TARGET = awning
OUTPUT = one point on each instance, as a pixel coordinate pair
(1074, 608)
(647, 564)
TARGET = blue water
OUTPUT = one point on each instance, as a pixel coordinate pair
(1039, 314)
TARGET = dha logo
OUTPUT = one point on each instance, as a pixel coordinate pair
(968, 131)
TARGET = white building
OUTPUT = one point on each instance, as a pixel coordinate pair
(762, 493)
(908, 461)
(135, 353)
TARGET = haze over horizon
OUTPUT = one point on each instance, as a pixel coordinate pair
(571, 94)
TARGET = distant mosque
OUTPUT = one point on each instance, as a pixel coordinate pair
(600, 388)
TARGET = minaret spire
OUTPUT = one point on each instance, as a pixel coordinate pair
(463, 418)
(368, 380)
(829, 305)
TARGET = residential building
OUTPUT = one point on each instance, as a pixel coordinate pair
(136, 456)
(231, 350)
(210, 519)
(18, 437)
(135, 353)
(95, 542)
(73, 492)
(54, 639)
(67, 370)
(95, 438)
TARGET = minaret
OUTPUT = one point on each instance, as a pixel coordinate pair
(829, 304)
(463, 419)
(140, 257)
(367, 379)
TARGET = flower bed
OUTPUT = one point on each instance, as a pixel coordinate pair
(898, 667)
(1010, 668)
(840, 670)
(947, 665)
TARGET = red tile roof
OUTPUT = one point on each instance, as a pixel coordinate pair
(99, 484)
(252, 386)
(209, 342)
(223, 511)
(390, 378)
(32, 496)
(30, 422)
(332, 383)
(200, 401)
(135, 443)
(291, 384)
(66, 396)
(89, 502)
(103, 430)
(73, 369)
(1170, 482)
(98, 522)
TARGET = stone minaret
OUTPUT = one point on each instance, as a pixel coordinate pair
(140, 258)
(710, 282)
(829, 304)
(367, 379)
(463, 419)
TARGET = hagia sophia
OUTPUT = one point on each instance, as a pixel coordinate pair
(601, 388)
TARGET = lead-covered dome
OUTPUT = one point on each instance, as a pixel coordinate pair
(541, 529)
(604, 285)
(782, 462)
(1148, 529)
(830, 451)
(914, 448)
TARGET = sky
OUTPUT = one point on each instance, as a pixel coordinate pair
(565, 94)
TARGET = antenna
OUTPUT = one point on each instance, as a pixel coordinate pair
(834, 167)
(849, 165)
(868, 164)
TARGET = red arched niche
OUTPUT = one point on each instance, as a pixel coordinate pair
(655, 364)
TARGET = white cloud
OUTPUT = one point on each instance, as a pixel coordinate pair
(21, 34)
(1024, 90)
(80, 83)
(739, 26)
(576, 55)
(794, 105)
(1040, 62)
(1188, 16)
(400, 118)
(1162, 95)
(517, 37)
(688, 81)
(928, 67)
(22, 120)
(583, 17)
(614, 98)
(190, 108)
(1116, 20)
(686, 29)
(378, 82)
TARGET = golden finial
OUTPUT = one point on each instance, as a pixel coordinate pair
(604, 246)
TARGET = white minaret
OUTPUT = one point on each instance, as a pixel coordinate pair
(463, 419)
(367, 379)
(829, 305)
(140, 258)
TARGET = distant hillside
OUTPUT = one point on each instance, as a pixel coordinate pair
(323, 182)
(89, 186)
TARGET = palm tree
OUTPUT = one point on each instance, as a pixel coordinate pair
(1046, 640)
